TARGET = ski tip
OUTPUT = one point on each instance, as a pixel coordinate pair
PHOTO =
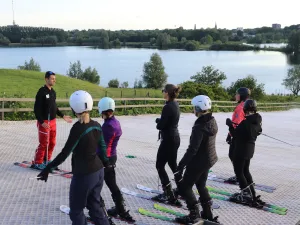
(64, 209)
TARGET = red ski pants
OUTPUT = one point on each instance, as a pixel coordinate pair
(47, 139)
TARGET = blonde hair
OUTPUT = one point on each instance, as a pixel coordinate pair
(84, 117)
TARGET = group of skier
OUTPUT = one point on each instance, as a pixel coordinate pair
(94, 152)
(201, 154)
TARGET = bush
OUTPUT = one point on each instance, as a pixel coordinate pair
(114, 83)
(125, 84)
(257, 90)
(191, 89)
(89, 74)
(32, 65)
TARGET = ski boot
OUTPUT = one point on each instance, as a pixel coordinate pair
(38, 166)
(259, 201)
(193, 217)
(46, 163)
(232, 180)
(256, 198)
(245, 197)
(168, 196)
(119, 210)
(207, 214)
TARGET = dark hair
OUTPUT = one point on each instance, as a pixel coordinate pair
(108, 112)
(48, 74)
(250, 105)
(172, 90)
(244, 93)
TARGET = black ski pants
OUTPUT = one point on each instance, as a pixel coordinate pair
(85, 192)
(167, 153)
(193, 177)
(231, 149)
(110, 180)
(241, 169)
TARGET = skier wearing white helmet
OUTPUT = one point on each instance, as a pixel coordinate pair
(199, 158)
(112, 132)
(87, 166)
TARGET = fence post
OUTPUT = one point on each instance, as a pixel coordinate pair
(121, 94)
(105, 93)
(2, 110)
(134, 92)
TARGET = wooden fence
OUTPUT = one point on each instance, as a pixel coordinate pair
(219, 104)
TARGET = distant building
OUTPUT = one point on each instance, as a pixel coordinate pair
(195, 27)
(276, 26)
(240, 28)
(216, 27)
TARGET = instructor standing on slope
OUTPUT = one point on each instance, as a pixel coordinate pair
(45, 110)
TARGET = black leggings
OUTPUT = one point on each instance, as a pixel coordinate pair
(241, 169)
(190, 178)
(167, 153)
(110, 180)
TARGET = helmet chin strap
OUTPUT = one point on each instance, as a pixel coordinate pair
(74, 112)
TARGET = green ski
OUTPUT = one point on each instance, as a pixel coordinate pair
(225, 198)
(155, 215)
(167, 210)
(222, 192)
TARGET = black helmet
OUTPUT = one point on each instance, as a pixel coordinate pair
(244, 93)
(250, 105)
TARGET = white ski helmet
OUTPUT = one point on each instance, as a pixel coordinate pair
(105, 104)
(201, 103)
(81, 101)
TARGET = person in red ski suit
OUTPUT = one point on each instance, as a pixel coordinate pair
(242, 94)
(45, 110)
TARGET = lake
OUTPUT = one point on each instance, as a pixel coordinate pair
(126, 64)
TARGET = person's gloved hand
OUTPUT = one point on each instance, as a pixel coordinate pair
(44, 175)
(106, 164)
(228, 122)
(157, 120)
(229, 139)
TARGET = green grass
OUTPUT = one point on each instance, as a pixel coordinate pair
(21, 83)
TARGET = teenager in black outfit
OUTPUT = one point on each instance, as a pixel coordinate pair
(167, 124)
(87, 165)
(245, 135)
(199, 158)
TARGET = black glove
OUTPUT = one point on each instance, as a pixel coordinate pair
(44, 174)
(229, 139)
(157, 120)
(106, 164)
(228, 122)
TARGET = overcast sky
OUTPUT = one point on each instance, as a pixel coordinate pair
(145, 14)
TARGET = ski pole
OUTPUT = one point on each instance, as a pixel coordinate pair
(279, 140)
(48, 137)
(54, 175)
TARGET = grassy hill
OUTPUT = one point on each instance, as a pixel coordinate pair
(22, 83)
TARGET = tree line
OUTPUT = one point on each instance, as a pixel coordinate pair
(189, 39)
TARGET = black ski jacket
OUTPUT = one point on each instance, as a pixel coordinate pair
(168, 122)
(45, 103)
(201, 153)
(83, 142)
(245, 135)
